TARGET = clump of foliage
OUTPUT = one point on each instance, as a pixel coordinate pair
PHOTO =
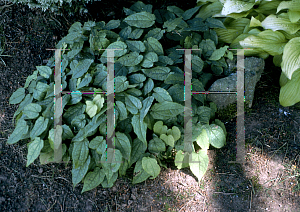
(149, 97)
(54, 5)
(269, 27)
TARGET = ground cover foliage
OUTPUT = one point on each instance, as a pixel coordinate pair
(149, 97)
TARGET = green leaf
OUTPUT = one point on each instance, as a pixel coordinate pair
(91, 108)
(44, 71)
(34, 149)
(93, 179)
(159, 128)
(153, 45)
(146, 106)
(116, 45)
(203, 139)
(20, 130)
(17, 96)
(80, 152)
(85, 81)
(112, 24)
(121, 84)
(108, 183)
(291, 57)
(140, 128)
(130, 59)
(32, 110)
(39, 127)
(40, 91)
(28, 99)
(136, 34)
(136, 46)
(67, 132)
(214, 23)
(116, 160)
(79, 121)
(150, 166)
(189, 13)
(175, 133)
(175, 10)
(156, 145)
(182, 159)
(216, 55)
(197, 64)
(149, 59)
(140, 177)
(168, 139)
(199, 163)
(157, 73)
(99, 144)
(149, 85)
(98, 100)
(140, 20)
(166, 110)
(75, 98)
(156, 33)
(290, 92)
(81, 68)
(138, 148)
(161, 95)
(79, 173)
(122, 109)
(74, 111)
(174, 78)
(30, 78)
(133, 104)
(171, 24)
(123, 144)
(204, 114)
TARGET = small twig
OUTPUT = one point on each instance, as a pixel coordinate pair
(55, 19)
(218, 192)
(51, 206)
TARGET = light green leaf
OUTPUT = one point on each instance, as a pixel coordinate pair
(34, 149)
(175, 133)
(39, 127)
(159, 128)
(156, 145)
(44, 71)
(98, 100)
(80, 152)
(157, 73)
(17, 96)
(116, 160)
(20, 130)
(130, 59)
(140, 20)
(182, 159)
(150, 166)
(140, 128)
(236, 6)
(116, 45)
(291, 57)
(216, 55)
(91, 108)
(217, 136)
(79, 173)
(168, 139)
(166, 110)
(93, 179)
(123, 144)
(32, 110)
(290, 92)
(203, 139)
(81, 68)
(199, 163)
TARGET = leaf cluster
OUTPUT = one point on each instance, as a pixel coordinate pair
(149, 97)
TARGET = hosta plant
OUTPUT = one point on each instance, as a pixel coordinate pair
(149, 97)
(268, 27)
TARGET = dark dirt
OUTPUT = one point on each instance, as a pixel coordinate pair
(272, 140)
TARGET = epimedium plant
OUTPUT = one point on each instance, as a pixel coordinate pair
(149, 97)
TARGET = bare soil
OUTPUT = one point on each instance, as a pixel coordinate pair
(268, 181)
